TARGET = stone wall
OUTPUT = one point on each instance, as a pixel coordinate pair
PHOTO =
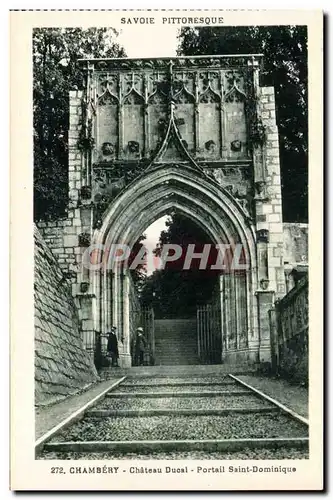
(269, 212)
(53, 234)
(64, 236)
(62, 366)
(295, 243)
(269, 226)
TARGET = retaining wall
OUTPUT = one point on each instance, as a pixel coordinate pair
(62, 366)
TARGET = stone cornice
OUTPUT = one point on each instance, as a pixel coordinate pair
(110, 165)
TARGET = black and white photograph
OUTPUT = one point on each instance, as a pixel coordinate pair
(171, 248)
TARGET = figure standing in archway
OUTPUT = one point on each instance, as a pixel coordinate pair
(112, 346)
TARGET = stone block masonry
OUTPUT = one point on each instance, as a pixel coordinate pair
(295, 243)
(272, 205)
(62, 365)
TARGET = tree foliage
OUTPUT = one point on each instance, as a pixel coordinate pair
(285, 67)
(55, 55)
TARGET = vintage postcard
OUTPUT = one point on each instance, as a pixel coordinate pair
(167, 191)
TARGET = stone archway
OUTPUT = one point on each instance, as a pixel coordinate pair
(188, 190)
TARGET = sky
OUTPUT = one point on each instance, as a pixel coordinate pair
(149, 42)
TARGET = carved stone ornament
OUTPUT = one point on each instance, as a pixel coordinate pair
(210, 146)
(260, 186)
(84, 286)
(84, 239)
(85, 192)
(236, 145)
(100, 199)
(98, 223)
(100, 177)
(264, 283)
(263, 236)
(218, 62)
(133, 146)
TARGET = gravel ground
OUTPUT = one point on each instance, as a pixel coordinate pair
(294, 397)
(177, 380)
(169, 388)
(183, 427)
(177, 403)
(255, 454)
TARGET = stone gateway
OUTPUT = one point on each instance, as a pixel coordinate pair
(195, 135)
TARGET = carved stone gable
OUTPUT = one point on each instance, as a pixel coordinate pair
(185, 110)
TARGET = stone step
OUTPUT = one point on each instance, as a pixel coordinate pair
(175, 346)
(178, 344)
(183, 394)
(176, 362)
(174, 354)
(184, 411)
(136, 447)
(176, 335)
(178, 341)
(182, 340)
(168, 349)
(179, 370)
(179, 361)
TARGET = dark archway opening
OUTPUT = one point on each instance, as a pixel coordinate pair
(176, 290)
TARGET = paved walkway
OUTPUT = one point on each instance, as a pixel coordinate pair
(293, 396)
(50, 416)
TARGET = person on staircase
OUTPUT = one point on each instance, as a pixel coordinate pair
(140, 347)
(112, 346)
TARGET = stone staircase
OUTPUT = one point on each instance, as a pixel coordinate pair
(196, 417)
(176, 342)
(177, 370)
